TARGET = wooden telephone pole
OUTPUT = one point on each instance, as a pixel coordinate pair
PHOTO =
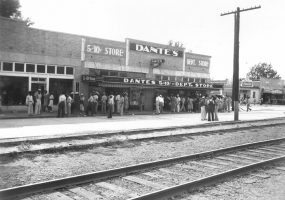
(235, 88)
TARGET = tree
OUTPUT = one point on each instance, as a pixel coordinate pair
(262, 70)
(10, 9)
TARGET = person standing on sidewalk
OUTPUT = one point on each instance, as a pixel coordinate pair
(126, 103)
(121, 105)
(216, 102)
(50, 104)
(110, 105)
(61, 105)
(104, 103)
(248, 105)
(46, 99)
(81, 104)
(203, 108)
(38, 102)
(29, 103)
(96, 99)
(90, 106)
(211, 109)
(117, 99)
(68, 102)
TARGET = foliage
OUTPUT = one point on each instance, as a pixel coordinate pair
(10, 9)
(263, 70)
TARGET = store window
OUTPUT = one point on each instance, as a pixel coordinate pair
(179, 79)
(203, 80)
(51, 69)
(191, 80)
(104, 73)
(13, 90)
(158, 77)
(172, 78)
(41, 68)
(185, 79)
(60, 70)
(7, 66)
(123, 74)
(19, 67)
(69, 70)
(114, 73)
(30, 68)
(165, 78)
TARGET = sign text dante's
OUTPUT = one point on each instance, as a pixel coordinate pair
(155, 50)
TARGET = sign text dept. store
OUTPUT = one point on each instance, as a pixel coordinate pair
(166, 83)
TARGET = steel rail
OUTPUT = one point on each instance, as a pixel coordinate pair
(146, 130)
(14, 192)
(190, 186)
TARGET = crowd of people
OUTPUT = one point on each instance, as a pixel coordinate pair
(42, 101)
(38, 102)
(210, 105)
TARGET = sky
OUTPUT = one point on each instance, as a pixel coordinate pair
(198, 25)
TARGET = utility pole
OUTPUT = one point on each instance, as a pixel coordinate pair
(235, 88)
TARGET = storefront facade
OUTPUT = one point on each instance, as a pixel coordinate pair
(272, 91)
(32, 59)
(144, 69)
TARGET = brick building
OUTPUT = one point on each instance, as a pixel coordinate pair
(31, 59)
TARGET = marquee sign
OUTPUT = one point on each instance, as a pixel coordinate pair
(155, 50)
(104, 50)
(139, 81)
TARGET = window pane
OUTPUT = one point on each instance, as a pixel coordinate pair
(19, 67)
(112, 73)
(104, 73)
(30, 68)
(60, 70)
(172, 78)
(158, 77)
(179, 78)
(123, 74)
(185, 79)
(203, 80)
(51, 69)
(191, 80)
(7, 66)
(165, 78)
(69, 70)
(41, 69)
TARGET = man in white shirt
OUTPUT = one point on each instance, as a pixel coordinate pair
(61, 105)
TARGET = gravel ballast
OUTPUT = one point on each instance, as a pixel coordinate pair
(42, 167)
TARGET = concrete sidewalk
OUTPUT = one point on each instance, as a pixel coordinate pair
(48, 127)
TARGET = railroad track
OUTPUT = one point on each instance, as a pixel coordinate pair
(19, 146)
(156, 180)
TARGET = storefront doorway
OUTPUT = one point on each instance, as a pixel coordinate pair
(36, 86)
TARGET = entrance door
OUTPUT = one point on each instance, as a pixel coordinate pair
(36, 86)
